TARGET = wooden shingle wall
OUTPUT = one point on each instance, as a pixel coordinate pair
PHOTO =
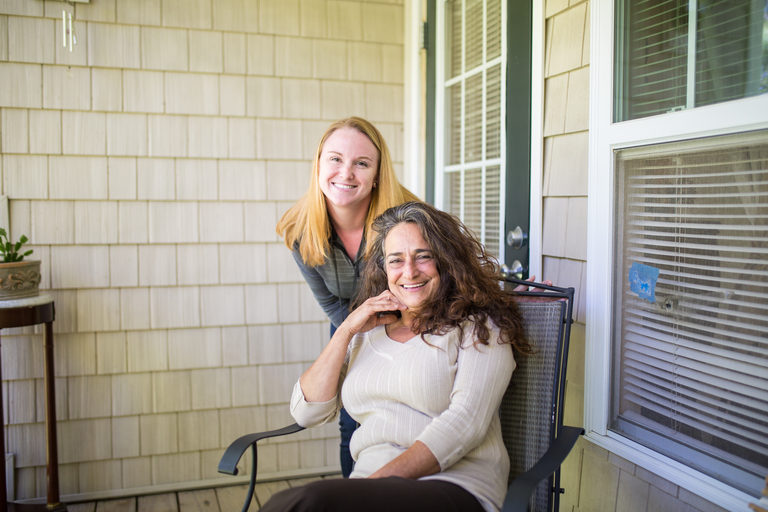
(149, 167)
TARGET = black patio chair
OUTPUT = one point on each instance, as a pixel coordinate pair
(531, 411)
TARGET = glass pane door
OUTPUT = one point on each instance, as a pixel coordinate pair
(469, 181)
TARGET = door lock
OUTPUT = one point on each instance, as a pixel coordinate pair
(516, 270)
(517, 238)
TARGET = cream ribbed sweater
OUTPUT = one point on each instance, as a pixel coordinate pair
(442, 395)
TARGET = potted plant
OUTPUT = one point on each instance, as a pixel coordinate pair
(19, 278)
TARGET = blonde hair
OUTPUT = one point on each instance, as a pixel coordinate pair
(307, 221)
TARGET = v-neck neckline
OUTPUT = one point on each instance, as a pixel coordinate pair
(390, 338)
(340, 245)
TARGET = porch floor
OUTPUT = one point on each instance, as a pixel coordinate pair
(218, 499)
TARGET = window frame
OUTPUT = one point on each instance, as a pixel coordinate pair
(605, 137)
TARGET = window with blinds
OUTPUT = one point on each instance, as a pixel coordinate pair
(668, 60)
(691, 299)
(473, 156)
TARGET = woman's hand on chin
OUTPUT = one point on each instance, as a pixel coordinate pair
(379, 310)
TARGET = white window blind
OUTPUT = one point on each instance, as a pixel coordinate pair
(473, 83)
(668, 59)
(691, 369)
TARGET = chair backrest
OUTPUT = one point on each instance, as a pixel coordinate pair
(531, 410)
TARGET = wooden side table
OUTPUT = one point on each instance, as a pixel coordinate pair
(20, 313)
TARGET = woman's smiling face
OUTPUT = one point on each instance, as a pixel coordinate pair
(411, 268)
(348, 168)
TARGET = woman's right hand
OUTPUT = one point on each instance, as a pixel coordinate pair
(320, 382)
(524, 288)
(378, 310)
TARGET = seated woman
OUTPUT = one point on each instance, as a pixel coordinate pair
(421, 364)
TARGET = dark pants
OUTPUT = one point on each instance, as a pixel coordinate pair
(374, 495)
(346, 427)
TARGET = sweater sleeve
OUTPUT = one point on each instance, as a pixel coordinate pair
(335, 308)
(482, 376)
(310, 414)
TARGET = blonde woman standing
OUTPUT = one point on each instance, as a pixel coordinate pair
(352, 182)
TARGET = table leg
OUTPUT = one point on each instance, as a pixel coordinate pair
(53, 504)
(52, 471)
(3, 493)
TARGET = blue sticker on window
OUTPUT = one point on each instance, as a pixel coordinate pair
(642, 281)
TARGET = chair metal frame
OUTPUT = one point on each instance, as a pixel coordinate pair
(538, 484)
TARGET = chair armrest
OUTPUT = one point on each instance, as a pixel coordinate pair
(519, 492)
(228, 462)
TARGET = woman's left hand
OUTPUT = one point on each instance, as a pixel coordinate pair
(415, 462)
(529, 298)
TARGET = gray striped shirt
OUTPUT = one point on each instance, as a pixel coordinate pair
(335, 282)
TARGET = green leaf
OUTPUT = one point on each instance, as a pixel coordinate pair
(23, 239)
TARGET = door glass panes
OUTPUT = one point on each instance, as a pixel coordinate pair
(492, 206)
(453, 193)
(473, 199)
(691, 295)
(493, 30)
(453, 118)
(668, 60)
(473, 117)
(474, 33)
(493, 101)
(453, 34)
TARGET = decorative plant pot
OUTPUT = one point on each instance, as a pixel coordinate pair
(19, 279)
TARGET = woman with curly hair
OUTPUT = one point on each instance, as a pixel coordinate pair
(422, 363)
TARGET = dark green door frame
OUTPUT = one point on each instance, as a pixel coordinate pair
(430, 40)
(517, 205)
(518, 126)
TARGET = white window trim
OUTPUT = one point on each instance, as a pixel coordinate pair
(604, 137)
(414, 173)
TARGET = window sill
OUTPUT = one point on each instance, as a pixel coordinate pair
(679, 474)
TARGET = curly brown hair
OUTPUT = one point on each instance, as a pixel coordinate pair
(469, 285)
